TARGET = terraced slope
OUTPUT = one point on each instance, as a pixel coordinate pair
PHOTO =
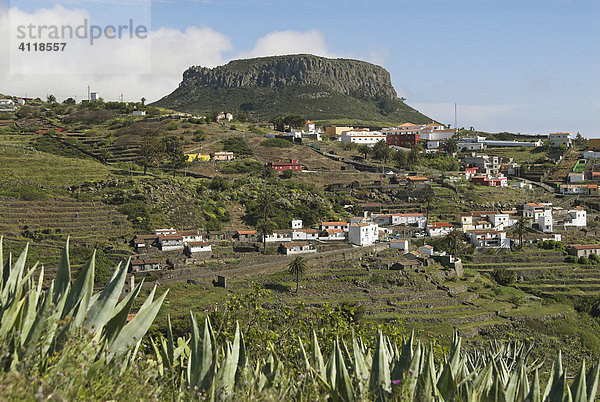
(429, 300)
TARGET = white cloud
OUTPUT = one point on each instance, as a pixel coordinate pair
(289, 42)
(111, 67)
(482, 117)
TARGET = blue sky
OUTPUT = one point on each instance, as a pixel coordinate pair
(520, 66)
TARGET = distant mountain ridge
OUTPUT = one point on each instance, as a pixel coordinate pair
(317, 87)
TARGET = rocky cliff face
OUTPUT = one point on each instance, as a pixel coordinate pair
(349, 77)
(312, 86)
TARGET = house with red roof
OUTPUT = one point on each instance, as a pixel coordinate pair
(437, 229)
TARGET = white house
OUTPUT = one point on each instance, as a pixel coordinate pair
(7, 105)
(363, 234)
(489, 239)
(534, 210)
(427, 250)
(278, 236)
(296, 224)
(412, 219)
(501, 219)
(576, 217)
(439, 229)
(297, 248)
(487, 165)
(334, 225)
(363, 137)
(198, 247)
(159, 232)
(399, 244)
(168, 242)
(545, 223)
(137, 113)
(558, 139)
(573, 189)
(333, 235)
(305, 234)
(190, 235)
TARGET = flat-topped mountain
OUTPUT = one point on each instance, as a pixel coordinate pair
(317, 87)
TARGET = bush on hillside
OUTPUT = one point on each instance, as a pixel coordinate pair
(277, 143)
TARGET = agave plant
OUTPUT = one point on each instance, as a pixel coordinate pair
(501, 372)
(31, 315)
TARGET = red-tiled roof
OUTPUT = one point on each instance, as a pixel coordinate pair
(585, 246)
(289, 245)
(440, 225)
(198, 244)
(332, 231)
(246, 232)
(334, 223)
(171, 237)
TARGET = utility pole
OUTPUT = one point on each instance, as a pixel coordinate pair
(455, 119)
(89, 93)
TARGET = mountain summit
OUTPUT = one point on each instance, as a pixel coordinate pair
(317, 87)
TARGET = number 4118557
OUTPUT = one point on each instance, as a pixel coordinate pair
(42, 47)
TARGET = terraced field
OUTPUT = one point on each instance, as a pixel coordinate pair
(430, 301)
(545, 274)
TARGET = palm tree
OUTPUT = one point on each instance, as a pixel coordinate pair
(264, 228)
(297, 268)
(364, 149)
(521, 226)
(265, 204)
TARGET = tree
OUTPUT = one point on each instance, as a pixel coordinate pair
(265, 204)
(151, 149)
(173, 151)
(287, 174)
(382, 151)
(51, 99)
(265, 227)
(454, 241)
(69, 101)
(450, 146)
(364, 149)
(413, 158)
(143, 101)
(401, 157)
(521, 227)
(297, 268)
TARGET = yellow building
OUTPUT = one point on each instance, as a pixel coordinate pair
(336, 131)
(594, 144)
(190, 157)
(203, 158)
(197, 158)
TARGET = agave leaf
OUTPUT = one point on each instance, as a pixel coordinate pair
(413, 371)
(81, 293)
(117, 322)
(579, 387)
(103, 309)
(344, 384)
(591, 380)
(361, 370)
(380, 368)
(14, 275)
(63, 276)
(447, 384)
(134, 330)
(556, 384)
(304, 355)
(53, 320)
(225, 379)
(535, 393)
(201, 355)
(317, 357)
(1, 259)
(9, 317)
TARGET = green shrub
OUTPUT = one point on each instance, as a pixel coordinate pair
(571, 259)
(277, 143)
(287, 174)
(237, 145)
(583, 260)
(503, 277)
(172, 126)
